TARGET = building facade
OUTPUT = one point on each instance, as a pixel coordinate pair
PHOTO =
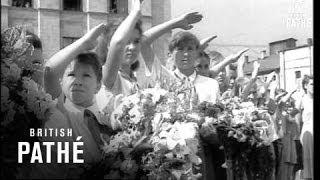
(294, 64)
(61, 22)
(289, 62)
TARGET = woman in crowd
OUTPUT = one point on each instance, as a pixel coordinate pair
(121, 59)
(306, 136)
(126, 44)
(288, 131)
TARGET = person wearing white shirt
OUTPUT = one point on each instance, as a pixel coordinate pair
(184, 51)
(207, 88)
(73, 76)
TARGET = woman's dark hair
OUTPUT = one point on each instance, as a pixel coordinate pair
(280, 91)
(306, 79)
(34, 40)
(91, 59)
(291, 102)
(204, 54)
(135, 66)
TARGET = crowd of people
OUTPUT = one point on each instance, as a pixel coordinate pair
(94, 74)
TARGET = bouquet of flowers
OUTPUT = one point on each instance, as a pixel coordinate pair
(245, 133)
(159, 139)
(23, 102)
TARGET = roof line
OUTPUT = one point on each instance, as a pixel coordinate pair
(247, 45)
(297, 47)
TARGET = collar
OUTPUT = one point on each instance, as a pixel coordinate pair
(79, 109)
(181, 76)
(131, 77)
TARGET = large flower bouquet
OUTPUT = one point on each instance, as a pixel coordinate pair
(159, 139)
(23, 102)
(245, 133)
(161, 130)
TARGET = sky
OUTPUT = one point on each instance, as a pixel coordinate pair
(250, 22)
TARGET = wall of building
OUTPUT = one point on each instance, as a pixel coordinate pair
(292, 61)
(275, 47)
(56, 27)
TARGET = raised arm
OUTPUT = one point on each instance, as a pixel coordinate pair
(269, 78)
(102, 46)
(228, 74)
(117, 44)
(252, 81)
(56, 65)
(287, 96)
(204, 43)
(228, 60)
(184, 22)
(240, 67)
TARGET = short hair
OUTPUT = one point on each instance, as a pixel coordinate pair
(181, 38)
(279, 91)
(233, 77)
(138, 26)
(91, 59)
(204, 54)
(233, 67)
(306, 79)
(34, 40)
(291, 102)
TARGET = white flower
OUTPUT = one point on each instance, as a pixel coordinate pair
(236, 112)
(171, 143)
(165, 126)
(135, 115)
(238, 120)
(132, 99)
(181, 96)
(156, 93)
(188, 130)
(247, 104)
(158, 117)
(194, 116)
(156, 121)
(178, 134)
(166, 115)
(208, 120)
(159, 144)
(164, 134)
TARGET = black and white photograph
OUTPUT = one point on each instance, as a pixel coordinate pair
(157, 89)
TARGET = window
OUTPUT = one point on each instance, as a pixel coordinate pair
(67, 41)
(22, 3)
(113, 6)
(72, 5)
(298, 74)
